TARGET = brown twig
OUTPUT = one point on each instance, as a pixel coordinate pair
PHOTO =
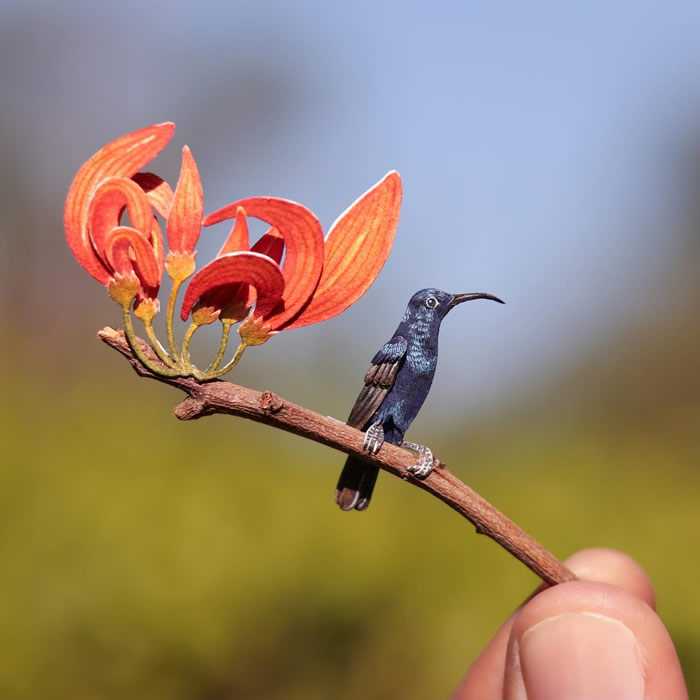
(266, 407)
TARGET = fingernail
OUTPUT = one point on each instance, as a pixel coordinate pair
(580, 656)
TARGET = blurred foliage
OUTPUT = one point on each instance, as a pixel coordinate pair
(147, 558)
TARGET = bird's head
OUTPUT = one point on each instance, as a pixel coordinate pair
(432, 305)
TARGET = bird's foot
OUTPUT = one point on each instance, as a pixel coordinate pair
(374, 438)
(424, 465)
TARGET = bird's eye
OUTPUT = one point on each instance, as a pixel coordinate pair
(431, 302)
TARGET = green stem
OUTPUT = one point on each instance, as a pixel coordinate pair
(177, 283)
(226, 330)
(186, 361)
(136, 348)
(229, 366)
(155, 343)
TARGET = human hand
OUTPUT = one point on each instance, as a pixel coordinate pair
(597, 638)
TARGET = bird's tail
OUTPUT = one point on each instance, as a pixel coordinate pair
(356, 484)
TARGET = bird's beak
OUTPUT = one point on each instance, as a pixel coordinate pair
(459, 298)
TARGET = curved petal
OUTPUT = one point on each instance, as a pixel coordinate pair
(127, 249)
(356, 249)
(185, 217)
(239, 238)
(121, 158)
(106, 205)
(158, 191)
(247, 267)
(160, 195)
(303, 239)
(271, 245)
(156, 240)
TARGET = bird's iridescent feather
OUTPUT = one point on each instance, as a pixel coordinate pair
(378, 381)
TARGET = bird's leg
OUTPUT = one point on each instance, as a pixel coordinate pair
(374, 438)
(424, 465)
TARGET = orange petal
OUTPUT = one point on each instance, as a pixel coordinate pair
(238, 239)
(120, 158)
(106, 205)
(158, 244)
(128, 249)
(160, 195)
(356, 249)
(303, 239)
(244, 266)
(271, 244)
(185, 217)
(158, 191)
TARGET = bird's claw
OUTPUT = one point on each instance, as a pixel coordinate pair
(424, 465)
(374, 438)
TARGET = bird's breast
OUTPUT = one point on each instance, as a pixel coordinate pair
(420, 360)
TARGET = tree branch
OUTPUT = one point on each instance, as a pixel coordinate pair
(268, 408)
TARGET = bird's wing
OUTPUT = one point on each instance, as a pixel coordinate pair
(378, 381)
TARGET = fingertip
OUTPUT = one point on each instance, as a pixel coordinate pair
(591, 639)
(613, 567)
(612, 590)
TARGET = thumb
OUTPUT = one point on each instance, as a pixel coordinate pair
(590, 640)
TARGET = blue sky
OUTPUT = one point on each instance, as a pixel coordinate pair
(541, 146)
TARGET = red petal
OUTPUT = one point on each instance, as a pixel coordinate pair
(185, 217)
(106, 205)
(158, 244)
(238, 239)
(357, 247)
(120, 158)
(128, 249)
(271, 244)
(158, 191)
(303, 239)
(247, 267)
(160, 195)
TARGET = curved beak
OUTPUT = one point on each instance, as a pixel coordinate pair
(459, 298)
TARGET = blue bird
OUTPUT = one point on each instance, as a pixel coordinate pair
(396, 385)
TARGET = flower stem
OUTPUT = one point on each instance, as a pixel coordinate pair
(225, 331)
(187, 365)
(229, 366)
(136, 348)
(177, 283)
(155, 343)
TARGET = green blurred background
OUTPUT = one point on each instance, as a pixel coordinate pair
(549, 156)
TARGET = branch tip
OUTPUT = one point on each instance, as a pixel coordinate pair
(191, 408)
